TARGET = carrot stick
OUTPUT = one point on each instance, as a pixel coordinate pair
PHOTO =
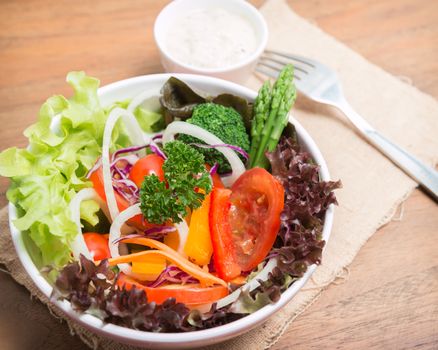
(205, 278)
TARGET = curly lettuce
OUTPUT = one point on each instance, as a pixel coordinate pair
(63, 145)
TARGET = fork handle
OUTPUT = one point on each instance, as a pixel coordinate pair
(422, 173)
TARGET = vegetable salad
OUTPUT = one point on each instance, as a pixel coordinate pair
(174, 220)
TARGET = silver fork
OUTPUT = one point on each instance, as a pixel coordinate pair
(320, 83)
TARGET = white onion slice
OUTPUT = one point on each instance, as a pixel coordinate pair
(147, 97)
(183, 232)
(131, 158)
(137, 138)
(115, 233)
(178, 127)
(79, 246)
(250, 286)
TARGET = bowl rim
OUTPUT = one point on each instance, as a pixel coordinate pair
(184, 339)
(258, 20)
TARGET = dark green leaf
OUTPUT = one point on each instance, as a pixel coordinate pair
(178, 100)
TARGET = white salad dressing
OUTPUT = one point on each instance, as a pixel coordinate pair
(211, 38)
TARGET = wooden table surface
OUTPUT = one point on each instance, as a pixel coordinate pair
(390, 299)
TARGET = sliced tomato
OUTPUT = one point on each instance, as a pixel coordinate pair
(257, 201)
(244, 222)
(189, 294)
(151, 164)
(96, 178)
(97, 244)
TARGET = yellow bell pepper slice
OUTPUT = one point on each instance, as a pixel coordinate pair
(172, 240)
(198, 246)
(149, 268)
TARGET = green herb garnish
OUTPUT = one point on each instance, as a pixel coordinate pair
(186, 183)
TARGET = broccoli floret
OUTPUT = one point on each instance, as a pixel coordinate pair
(224, 122)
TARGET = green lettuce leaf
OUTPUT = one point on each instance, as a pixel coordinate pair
(149, 121)
(89, 212)
(246, 304)
(267, 293)
(63, 145)
(15, 162)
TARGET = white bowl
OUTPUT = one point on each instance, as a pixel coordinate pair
(238, 72)
(129, 88)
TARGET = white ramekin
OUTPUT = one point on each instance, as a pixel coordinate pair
(238, 72)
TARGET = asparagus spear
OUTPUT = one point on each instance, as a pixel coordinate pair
(282, 116)
(261, 111)
(283, 96)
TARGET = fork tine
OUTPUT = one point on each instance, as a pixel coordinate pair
(277, 66)
(268, 72)
(271, 70)
(284, 62)
(300, 59)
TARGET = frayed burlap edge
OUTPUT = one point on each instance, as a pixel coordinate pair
(387, 218)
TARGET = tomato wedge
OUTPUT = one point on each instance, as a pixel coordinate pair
(244, 222)
(151, 164)
(257, 201)
(97, 244)
(189, 294)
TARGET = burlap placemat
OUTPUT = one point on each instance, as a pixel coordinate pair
(373, 186)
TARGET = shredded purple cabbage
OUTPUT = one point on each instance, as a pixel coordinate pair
(129, 184)
(157, 137)
(124, 164)
(130, 236)
(172, 274)
(158, 233)
(127, 189)
(130, 149)
(154, 148)
(120, 168)
(214, 168)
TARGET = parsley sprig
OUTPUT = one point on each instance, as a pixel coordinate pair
(185, 174)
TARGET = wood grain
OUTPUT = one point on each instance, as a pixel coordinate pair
(390, 299)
